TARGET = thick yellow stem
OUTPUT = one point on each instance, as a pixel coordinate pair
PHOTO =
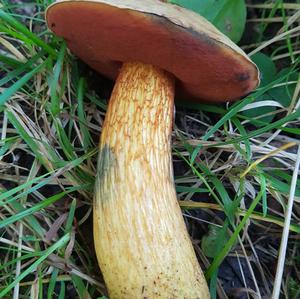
(141, 241)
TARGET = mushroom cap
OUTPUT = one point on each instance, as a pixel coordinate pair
(208, 66)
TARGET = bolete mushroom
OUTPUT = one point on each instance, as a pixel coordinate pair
(148, 46)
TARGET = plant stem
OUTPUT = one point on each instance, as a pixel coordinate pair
(142, 244)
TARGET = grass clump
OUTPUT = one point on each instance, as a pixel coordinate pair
(236, 162)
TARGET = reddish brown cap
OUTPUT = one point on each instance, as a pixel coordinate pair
(106, 33)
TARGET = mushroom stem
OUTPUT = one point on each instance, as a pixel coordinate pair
(141, 241)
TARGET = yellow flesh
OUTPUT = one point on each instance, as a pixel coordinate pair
(141, 241)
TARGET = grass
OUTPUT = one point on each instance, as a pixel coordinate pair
(236, 165)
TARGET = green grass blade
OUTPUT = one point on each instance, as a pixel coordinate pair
(10, 61)
(55, 99)
(218, 260)
(30, 219)
(60, 243)
(263, 187)
(247, 153)
(43, 204)
(62, 290)
(5, 17)
(70, 219)
(10, 91)
(52, 283)
(81, 115)
(80, 287)
(275, 125)
(22, 68)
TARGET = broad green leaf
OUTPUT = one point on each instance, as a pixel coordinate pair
(214, 240)
(266, 67)
(267, 70)
(284, 93)
(229, 16)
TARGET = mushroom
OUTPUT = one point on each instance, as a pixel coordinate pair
(141, 241)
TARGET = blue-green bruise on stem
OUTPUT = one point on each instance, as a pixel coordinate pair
(141, 241)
